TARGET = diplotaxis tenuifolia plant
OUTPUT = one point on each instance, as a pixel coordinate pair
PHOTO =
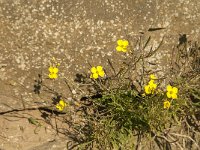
(119, 114)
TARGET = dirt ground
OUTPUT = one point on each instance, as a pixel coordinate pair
(78, 33)
(18, 133)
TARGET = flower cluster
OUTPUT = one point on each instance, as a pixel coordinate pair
(122, 45)
(53, 72)
(150, 88)
(61, 105)
(96, 72)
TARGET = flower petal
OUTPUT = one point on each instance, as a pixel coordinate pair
(55, 70)
(125, 43)
(154, 86)
(59, 107)
(151, 82)
(95, 75)
(120, 42)
(175, 90)
(51, 76)
(62, 103)
(99, 68)
(174, 96)
(169, 95)
(147, 89)
(119, 48)
(169, 88)
(93, 70)
(101, 73)
(50, 69)
(124, 49)
(55, 75)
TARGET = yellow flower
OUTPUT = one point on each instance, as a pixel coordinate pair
(147, 89)
(152, 77)
(150, 88)
(53, 76)
(152, 84)
(96, 72)
(172, 92)
(61, 105)
(122, 45)
(53, 69)
(166, 104)
(53, 72)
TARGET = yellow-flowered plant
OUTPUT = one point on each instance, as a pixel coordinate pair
(96, 72)
(166, 104)
(172, 92)
(122, 45)
(61, 105)
(120, 109)
(53, 72)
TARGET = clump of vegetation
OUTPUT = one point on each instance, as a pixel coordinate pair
(127, 113)
(123, 116)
